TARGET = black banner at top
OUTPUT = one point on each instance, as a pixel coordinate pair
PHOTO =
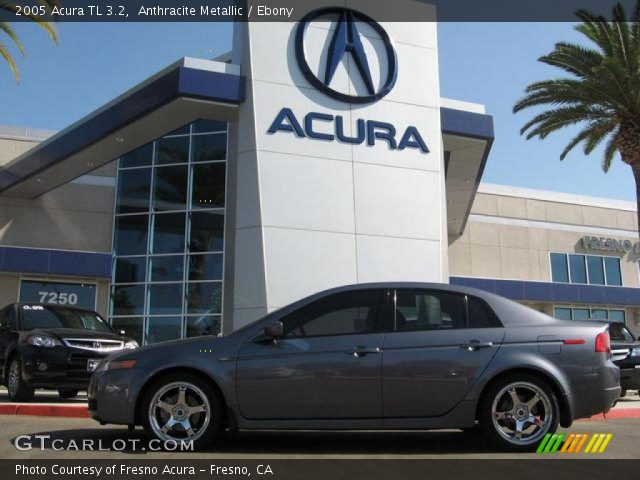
(294, 10)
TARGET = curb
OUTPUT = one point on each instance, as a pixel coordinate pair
(616, 414)
(45, 410)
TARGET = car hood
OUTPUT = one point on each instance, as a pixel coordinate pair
(167, 349)
(77, 333)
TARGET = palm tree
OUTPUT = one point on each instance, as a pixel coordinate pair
(5, 27)
(602, 93)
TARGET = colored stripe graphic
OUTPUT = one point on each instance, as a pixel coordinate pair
(597, 443)
(550, 443)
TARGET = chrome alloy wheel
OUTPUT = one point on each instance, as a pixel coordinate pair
(179, 411)
(14, 378)
(521, 413)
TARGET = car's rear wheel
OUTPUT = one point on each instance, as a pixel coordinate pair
(182, 407)
(67, 393)
(518, 411)
(17, 387)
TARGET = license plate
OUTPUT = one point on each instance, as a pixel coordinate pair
(92, 364)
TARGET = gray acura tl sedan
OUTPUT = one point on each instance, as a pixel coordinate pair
(369, 356)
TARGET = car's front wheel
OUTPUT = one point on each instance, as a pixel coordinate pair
(17, 387)
(181, 407)
(518, 411)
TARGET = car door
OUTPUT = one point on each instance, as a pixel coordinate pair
(439, 344)
(326, 366)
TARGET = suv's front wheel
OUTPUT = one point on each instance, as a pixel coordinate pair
(518, 411)
(182, 407)
(17, 387)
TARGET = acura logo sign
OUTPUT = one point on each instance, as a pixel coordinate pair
(346, 38)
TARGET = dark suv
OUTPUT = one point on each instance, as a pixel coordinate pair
(53, 347)
(625, 349)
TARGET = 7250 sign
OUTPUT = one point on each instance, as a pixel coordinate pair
(81, 295)
(61, 298)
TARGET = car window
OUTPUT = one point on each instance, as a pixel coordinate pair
(44, 316)
(426, 310)
(620, 333)
(339, 314)
(479, 314)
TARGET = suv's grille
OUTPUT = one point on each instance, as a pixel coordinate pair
(94, 345)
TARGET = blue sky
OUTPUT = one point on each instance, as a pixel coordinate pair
(488, 63)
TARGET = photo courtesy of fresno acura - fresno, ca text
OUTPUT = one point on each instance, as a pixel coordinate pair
(275, 236)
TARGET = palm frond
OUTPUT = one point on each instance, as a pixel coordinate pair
(583, 135)
(610, 150)
(8, 30)
(573, 58)
(47, 26)
(4, 53)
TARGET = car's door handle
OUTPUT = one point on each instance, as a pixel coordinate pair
(361, 351)
(474, 345)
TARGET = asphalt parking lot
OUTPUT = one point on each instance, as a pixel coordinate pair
(451, 444)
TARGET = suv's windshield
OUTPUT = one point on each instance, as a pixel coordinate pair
(620, 333)
(43, 316)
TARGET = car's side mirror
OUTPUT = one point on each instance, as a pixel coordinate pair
(274, 330)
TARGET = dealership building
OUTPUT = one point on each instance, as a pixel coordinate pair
(315, 154)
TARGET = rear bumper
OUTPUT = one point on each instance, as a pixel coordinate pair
(593, 402)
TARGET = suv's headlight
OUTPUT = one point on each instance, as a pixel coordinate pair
(635, 352)
(43, 341)
(131, 344)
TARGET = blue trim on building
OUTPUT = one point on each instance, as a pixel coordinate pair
(55, 262)
(553, 292)
(180, 82)
(466, 124)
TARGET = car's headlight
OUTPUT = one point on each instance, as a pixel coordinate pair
(116, 365)
(635, 352)
(43, 341)
(131, 344)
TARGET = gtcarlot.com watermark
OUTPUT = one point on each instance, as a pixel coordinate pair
(45, 442)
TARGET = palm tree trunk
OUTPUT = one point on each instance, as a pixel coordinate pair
(636, 175)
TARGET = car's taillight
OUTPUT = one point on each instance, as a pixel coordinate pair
(603, 343)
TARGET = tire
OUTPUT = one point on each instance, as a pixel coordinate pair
(161, 405)
(533, 411)
(623, 393)
(67, 393)
(17, 387)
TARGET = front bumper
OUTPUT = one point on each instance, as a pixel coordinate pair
(112, 395)
(57, 367)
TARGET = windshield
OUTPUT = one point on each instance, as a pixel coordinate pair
(42, 316)
(620, 333)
